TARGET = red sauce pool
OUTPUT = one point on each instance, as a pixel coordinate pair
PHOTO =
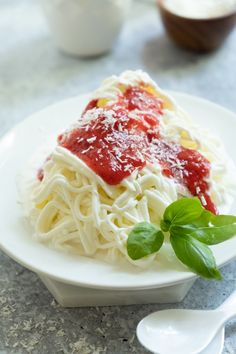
(120, 138)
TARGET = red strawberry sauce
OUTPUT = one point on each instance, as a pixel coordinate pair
(122, 137)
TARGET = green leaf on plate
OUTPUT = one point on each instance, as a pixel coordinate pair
(196, 256)
(209, 228)
(181, 212)
(144, 240)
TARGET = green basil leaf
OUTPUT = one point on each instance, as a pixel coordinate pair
(144, 240)
(209, 228)
(181, 212)
(195, 255)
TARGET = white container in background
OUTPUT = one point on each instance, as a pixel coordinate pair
(85, 27)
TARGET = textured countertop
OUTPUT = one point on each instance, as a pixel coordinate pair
(33, 74)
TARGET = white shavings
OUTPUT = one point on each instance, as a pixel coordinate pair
(89, 148)
(163, 152)
(178, 174)
(91, 140)
(117, 151)
(136, 113)
(120, 160)
(186, 173)
(109, 120)
(101, 115)
(109, 138)
(139, 156)
(198, 190)
(79, 140)
(177, 164)
(137, 118)
(128, 167)
(203, 200)
(89, 116)
(111, 155)
(114, 165)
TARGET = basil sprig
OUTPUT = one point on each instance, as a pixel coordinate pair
(191, 229)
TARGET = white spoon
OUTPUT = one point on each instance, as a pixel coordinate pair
(217, 344)
(184, 331)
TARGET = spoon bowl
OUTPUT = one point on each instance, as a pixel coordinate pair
(184, 331)
(216, 346)
(171, 331)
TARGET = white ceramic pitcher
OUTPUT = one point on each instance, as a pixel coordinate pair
(85, 27)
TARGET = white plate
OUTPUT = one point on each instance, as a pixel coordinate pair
(19, 145)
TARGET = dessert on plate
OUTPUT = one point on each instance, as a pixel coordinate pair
(131, 153)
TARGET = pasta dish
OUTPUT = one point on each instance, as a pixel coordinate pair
(132, 152)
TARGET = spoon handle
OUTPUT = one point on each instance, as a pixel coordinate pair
(229, 306)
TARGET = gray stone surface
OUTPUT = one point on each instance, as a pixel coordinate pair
(33, 74)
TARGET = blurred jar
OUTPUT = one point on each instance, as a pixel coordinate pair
(85, 27)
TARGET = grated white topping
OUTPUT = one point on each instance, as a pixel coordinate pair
(91, 140)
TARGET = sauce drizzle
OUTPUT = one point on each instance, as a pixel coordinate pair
(122, 137)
